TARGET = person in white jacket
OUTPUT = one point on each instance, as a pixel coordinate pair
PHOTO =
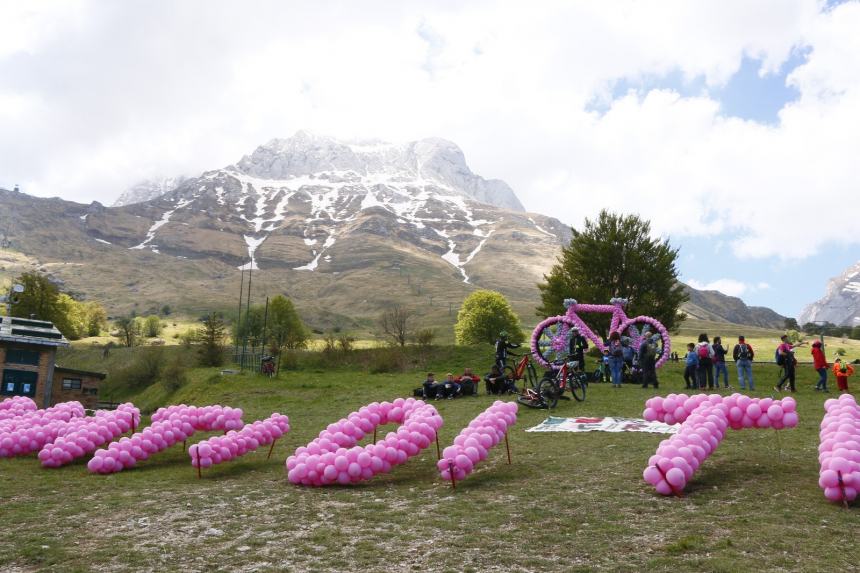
(705, 370)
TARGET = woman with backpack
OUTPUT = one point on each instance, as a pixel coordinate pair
(720, 362)
(705, 353)
(616, 358)
(785, 358)
(743, 355)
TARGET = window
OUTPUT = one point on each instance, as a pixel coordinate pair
(91, 391)
(22, 356)
(71, 383)
(19, 383)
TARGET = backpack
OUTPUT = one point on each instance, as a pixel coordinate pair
(468, 387)
(743, 352)
(418, 392)
(779, 358)
(702, 352)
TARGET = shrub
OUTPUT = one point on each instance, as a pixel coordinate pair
(425, 337)
(345, 343)
(175, 374)
(386, 360)
(144, 369)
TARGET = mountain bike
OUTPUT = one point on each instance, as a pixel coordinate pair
(552, 386)
(524, 370)
(550, 342)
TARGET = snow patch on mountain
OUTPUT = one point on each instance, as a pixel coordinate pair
(148, 190)
(841, 302)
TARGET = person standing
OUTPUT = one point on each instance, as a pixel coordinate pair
(691, 364)
(819, 362)
(648, 360)
(743, 355)
(616, 359)
(705, 353)
(502, 347)
(842, 372)
(786, 359)
(577, 347)
(720, 362)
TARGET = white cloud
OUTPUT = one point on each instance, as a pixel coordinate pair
(727, 286)
(102, 94)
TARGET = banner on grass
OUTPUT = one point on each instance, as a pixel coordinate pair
(608, 424)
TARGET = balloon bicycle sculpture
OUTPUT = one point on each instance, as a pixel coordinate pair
(550, 346)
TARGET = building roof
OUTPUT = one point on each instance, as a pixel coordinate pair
(64, 370)
(28, 331)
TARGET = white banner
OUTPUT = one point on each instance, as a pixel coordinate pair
(608, 424)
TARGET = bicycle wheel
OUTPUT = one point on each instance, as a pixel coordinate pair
(577, 386)
(598, 375)
(551, 340)
(633, 327)
(548, 391)
(530, 376)
(509, 373)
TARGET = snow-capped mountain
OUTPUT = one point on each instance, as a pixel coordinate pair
(841, 302)
(148, 189)
(344, 228)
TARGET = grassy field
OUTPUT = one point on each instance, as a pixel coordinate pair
(569, 502)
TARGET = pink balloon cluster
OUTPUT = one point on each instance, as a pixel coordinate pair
(743, 411)
(704, 419)
(30, 431)
(170, 425)
(839, 451)
(679, 457)
(15, 406)
(473, 443)
(333, 457)
(235, 443)
(83, 436)
(205, 418)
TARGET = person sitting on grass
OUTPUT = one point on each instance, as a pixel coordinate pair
(468, 382)
(496, 380)
(432, 387)
(450, 387)
(691, 365)
(842, 370)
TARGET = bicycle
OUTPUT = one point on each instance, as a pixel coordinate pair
(550, 341)
(552, 386)
(524, 371)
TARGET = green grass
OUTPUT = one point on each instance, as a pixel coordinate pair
(569, 502)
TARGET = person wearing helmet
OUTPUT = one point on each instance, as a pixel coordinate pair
(502, 347)
(577, 347)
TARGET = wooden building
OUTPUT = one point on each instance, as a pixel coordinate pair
(28, 351)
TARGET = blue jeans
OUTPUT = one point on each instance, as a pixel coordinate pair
(745, 371)
(822, 379)
(721, 367)
(615, 364)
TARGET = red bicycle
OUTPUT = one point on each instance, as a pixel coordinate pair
(524, 370)
(552, 386)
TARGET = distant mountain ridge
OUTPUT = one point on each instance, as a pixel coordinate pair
(841, 302)
(344, 228)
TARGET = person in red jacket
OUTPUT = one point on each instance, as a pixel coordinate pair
(819, 362)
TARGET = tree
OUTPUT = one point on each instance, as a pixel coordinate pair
(95, 318)
(791, 324)
(855, 333)
(396, 324)
(40, 298)
(211, 336)
(128, 330)
(285, 327)
(483, 315)
(152, 326)
(615, 256)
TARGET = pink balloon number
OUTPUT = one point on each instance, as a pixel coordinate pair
(237, 443)
(839, 451)
(334, 457)
(704, 419)
(472, 444)
(170, 425)
(30, 430)
(82, 436)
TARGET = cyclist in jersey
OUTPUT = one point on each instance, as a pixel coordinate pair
(502, 347)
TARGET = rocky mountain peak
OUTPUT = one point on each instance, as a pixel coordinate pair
(841, 302)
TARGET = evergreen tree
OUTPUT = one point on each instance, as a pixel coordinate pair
(211, 336)
(615, 256)
(483, 315)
